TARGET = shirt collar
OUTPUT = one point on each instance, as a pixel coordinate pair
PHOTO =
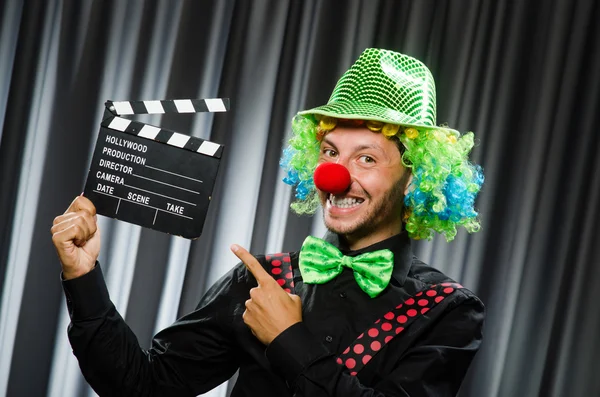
(398, 244)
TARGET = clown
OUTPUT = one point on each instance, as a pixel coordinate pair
(352, 314)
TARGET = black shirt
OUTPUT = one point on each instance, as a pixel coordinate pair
(205, 348)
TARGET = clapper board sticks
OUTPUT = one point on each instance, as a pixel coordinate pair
(151, 176)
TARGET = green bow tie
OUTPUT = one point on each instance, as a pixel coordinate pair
(321, 262)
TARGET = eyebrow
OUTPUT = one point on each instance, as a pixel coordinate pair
(357, 148)
(363, 147)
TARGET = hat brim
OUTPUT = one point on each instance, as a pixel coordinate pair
(368, 111)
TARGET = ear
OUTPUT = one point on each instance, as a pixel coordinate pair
(408, 182)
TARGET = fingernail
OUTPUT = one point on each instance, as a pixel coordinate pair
(82, 193)
(234, 247)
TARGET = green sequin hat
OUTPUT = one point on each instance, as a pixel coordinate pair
(384, 86)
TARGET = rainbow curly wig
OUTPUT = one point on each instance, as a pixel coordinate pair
(443, 189)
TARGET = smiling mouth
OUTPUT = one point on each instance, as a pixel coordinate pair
(344, 202)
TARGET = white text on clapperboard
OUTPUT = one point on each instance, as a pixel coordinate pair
(111, 178)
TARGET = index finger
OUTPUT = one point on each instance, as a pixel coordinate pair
(81, 203)
(259, 273)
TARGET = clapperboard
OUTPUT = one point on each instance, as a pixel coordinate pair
(150, 176)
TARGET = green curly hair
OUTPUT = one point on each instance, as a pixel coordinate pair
(441, 195)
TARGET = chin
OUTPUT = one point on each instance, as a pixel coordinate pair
(342, 227)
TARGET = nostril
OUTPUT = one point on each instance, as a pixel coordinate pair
(332, 178)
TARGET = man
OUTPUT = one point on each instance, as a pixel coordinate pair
(355, 314)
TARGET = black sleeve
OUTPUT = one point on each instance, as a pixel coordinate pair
(190, 357)
(434, 366)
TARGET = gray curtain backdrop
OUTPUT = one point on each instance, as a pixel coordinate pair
(523, 75)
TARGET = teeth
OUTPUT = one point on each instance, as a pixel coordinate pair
(348, 202)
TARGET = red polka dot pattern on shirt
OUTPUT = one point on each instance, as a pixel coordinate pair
(392, 323)
(280, 267)
(350, 363)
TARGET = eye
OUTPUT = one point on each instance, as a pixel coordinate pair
(367, 159)
(330, 153)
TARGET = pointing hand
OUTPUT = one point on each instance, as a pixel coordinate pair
(270, 310)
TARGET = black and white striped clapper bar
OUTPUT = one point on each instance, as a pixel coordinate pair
(150, 176)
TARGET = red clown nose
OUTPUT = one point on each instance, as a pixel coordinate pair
(332, 178)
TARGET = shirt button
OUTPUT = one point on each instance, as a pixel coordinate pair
(342, 294)
(328, 338)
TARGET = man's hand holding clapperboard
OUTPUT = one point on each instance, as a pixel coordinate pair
(162, 180)
(150, 176)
